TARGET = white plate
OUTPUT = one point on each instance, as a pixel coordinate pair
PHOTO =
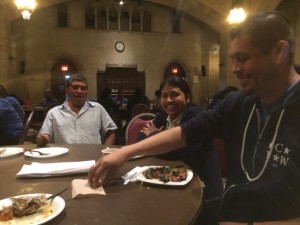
(111, 150)
(44, 216)
(9, 151)
(142, 178)
(51, 151)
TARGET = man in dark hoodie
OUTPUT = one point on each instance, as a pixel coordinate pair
(260, 126)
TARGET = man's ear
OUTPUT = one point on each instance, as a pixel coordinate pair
(282, 51)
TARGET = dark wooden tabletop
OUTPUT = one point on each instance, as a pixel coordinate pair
(132, 204)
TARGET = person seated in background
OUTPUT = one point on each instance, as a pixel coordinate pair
(77, 120)
(49, 101)
(11, 124)
(13, 101)
(220, 96)
(177, 108)
(121, 113)
(156, 107)
(13, 94)
(138, 97)
(106, 101)
(119, 100)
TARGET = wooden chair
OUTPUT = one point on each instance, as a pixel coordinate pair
(140, 108)
(135, 125)
(27, 124)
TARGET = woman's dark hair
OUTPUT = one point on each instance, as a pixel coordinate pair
(157, 93)
(266, 29)
(179, 82)
(76, 77)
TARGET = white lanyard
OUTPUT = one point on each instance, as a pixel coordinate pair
(271, 146)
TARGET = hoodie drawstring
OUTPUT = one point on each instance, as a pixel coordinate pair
(271, 146)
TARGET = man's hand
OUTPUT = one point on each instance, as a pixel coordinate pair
(42, 139)
(105, 168)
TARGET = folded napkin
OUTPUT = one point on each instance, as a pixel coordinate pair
(132, 175)
(81, 189)
(55, 169)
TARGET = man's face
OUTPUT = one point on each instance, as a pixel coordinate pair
(254, 69)
(77, 93)
(173, 100)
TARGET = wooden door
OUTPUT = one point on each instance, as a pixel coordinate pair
(126, 78)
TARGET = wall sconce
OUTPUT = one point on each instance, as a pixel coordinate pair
(237, 13)
(64, 67)
(26, 7)
(174, 69)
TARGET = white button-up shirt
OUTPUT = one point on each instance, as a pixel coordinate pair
(89, 126)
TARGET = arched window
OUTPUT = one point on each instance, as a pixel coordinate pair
(89, 17)
(101, 19)
(147, 22)
(62, 16)
(125, 20)
(136, 21)
(174, 69)
(113, 19)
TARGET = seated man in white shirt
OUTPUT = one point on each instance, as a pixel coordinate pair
(77, 120)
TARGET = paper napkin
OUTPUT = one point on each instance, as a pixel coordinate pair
(132, 175)
(54, 169)
(81, 189)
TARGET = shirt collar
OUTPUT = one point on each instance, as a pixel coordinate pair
(175, 122)
(87, 104)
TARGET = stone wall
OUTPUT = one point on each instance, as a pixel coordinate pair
(40, 43)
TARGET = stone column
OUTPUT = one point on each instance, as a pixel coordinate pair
(142, 22)
(4, 41)
(107, 20)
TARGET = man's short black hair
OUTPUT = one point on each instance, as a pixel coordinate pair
(266, 29)
(76, 77)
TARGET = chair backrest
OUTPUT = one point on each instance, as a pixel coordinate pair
(140, 108)
(25, 128)
(135, 125)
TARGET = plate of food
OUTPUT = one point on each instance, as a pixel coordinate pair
(167, 175)
(30, 209)
(47, 152)
(111, 150)
(10, 151)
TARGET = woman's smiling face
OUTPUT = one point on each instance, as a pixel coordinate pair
(173, 100)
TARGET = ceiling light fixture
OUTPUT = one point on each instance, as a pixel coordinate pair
(121, 2)
(237, 13)
(26, 7)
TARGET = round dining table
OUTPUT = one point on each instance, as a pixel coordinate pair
(137, 203)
